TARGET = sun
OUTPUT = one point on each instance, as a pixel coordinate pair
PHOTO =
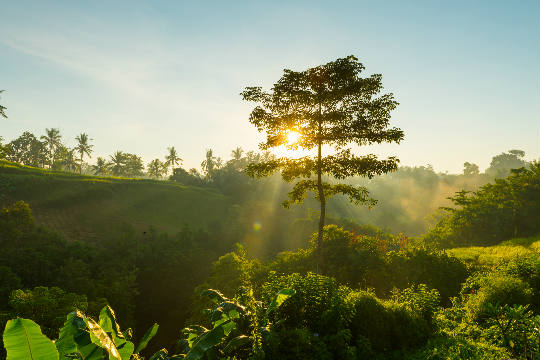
(291, 149)
(292, 137)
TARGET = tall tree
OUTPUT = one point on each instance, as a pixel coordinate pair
(501, 164)
(83, 148)
(117, 163)
(69, 161)
(53, 140)
(172, 158)
(237, 153)
(210, 164)
(325, 105)
(27, 150)
(3, 108)
(101, 167)
(156, 168)
(470, 169)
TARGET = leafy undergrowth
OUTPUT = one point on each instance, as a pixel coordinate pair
(492, 256)
(88, 207)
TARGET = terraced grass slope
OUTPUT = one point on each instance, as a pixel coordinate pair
(491, 256)
(90, 207)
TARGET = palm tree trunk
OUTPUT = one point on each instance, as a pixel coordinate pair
(80, 165)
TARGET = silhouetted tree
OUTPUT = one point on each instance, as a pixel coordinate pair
(156, 168)
(83, 148)
(501, 164)
(236, 154)
(70, 162)
(27, 150)
(210, 164)
(101, 167)
(52, 140)
(327, 105)
(3, 109)
(172, 158)
(470, 169)
(117, 163)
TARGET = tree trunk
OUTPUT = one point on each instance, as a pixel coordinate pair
(321, 199)
(80, 166)
(322, 216)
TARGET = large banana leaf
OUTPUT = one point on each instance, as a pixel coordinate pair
(150, 333)
(99, 337)
(281, 296)
(214, 295)
(82, 335)
(107, 321)
(209, 339)
(237, 342)
(23, 340)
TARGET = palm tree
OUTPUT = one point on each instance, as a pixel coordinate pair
(117, 164)
(172, 159)
(3, 108)
(83, 147)
(52, 140)
(237, 153)
(211, 164)
(156, 168)
(101, 167)
(70, 163)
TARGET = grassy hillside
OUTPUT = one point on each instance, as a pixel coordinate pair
(91, 207)
(492, 256)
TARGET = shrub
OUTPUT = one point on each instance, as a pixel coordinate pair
(496, 289)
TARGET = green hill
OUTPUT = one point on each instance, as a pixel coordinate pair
(91, 207)
(488, 257)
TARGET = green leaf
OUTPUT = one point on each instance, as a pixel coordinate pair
(107, 321)
(214, 295)
(125, 350)
(150, 333)
(23, 339)
(281, 296)
(66, 340)
(237, 342)
(81, 334)
(99, 337)
(209, 339)
(160, 355)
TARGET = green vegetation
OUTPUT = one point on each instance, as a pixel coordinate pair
(155, 250)
(90, 208)
(508, 208)
(328, 105)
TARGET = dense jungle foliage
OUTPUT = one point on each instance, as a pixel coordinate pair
(148, 248)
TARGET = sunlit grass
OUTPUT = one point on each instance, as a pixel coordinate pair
(490, 256)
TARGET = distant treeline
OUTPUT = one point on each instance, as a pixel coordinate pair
(407, 199)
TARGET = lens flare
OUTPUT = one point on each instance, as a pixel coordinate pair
(257, 226)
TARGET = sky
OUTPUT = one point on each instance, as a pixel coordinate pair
(140, 76)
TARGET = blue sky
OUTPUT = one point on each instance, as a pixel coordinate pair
(142, 76)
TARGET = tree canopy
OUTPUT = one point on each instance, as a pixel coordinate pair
(330, 105)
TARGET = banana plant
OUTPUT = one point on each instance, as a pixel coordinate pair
(81, 337)
(232, 328)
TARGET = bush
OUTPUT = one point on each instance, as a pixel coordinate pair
(436, 269)
(496, 289)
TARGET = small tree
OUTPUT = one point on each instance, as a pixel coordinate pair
(53, 139)
(172, 158)
(83, 148)
(3, 109)
(156, 168)
(325, 105)
(210, 164)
